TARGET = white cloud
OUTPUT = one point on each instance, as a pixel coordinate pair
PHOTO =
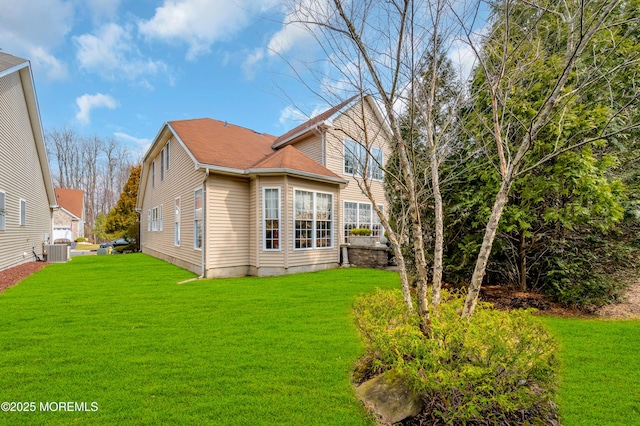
(88, 102)
(55, 69)
(129, 138)
(251, 62)
(102, 10)
(33, 28)
(200, 23)
(112, 53)
(137, 146)
(291, 117)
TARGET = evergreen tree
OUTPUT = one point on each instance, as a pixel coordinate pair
(123, 216)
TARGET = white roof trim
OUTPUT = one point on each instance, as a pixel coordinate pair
(299, 173)
(14, 69)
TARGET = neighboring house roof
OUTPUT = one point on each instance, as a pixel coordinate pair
(72, 200)
(221, 144)
(290, 160)
(8, 65)
(312, 123)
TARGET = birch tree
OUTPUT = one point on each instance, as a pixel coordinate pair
(546, 49)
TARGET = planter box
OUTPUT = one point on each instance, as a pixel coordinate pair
(362, 241)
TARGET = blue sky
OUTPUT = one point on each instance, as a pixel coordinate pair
(121, 68)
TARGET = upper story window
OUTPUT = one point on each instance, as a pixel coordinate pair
(355, 159)
(153, 174)
(167, 152)
(162, 165)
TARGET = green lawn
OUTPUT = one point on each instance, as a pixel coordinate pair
(600, 374)
(118, 331)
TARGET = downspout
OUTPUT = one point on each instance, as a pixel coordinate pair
(204, 223)
(324, 161)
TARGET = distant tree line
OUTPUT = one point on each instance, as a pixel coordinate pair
(99, 166)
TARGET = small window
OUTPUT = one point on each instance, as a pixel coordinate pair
(153, 174)
(23, 212)
(176, 223)
(162, 165)
(198, 221)
(3, 213)
(167, 150)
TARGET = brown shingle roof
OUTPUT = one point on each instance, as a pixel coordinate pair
(221, 144)
(8, 61)
(70, 200)
(313, 121)
(292, 159)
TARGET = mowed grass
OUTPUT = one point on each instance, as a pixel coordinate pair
(119, 331)
(600, 371)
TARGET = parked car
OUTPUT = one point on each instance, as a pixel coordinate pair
(115, 243)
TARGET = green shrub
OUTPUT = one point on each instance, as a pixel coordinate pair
(80, 240)
(499, 367)
(363, 232)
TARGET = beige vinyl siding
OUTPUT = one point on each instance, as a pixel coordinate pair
(227, 223)
(272, 259)
(254, 218)
(350, 126)
(312, 147)
(181, 180)
(311, 256)
(20, 178)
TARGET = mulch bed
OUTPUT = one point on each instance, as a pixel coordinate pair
(12, 276)
(505, 298)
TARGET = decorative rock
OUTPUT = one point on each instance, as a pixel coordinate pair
(391, 399)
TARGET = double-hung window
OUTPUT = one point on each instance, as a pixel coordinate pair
(154, 219)
(356, 157)
(313, 215)
(162, 165)
(176, 223)
(198, 218)
(271, 218)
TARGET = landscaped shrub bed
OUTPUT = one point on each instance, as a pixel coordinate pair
(499, 368)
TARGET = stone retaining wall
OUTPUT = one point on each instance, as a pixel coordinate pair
(368, 257)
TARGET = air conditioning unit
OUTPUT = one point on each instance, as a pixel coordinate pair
(56, 252)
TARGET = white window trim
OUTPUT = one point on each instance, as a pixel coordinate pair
(162, 165)
(358, 224)
(168, 152)
(154, 219)
(264, 218)
(3, 212)
(148, 220)
(195, 234)
(153, 174)
(370, 156)
(314, 220)
(161, 217)
(23, 212)
(177, 218)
